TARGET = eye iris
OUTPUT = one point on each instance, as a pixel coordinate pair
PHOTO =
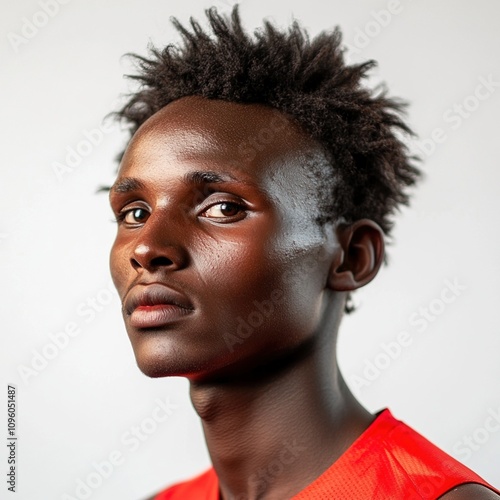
(135, 215)
(139, 214)
(232, 208)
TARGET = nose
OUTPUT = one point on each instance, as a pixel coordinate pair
(156, 247)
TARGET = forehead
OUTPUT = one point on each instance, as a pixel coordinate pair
(252, 140)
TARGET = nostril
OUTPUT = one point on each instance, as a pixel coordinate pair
(155, 256)
(161, 261)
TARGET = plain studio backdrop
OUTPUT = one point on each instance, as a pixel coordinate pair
(425, 339)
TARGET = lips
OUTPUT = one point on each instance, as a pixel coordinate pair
(155, 305)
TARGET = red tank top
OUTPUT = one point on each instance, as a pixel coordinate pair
(388, 461)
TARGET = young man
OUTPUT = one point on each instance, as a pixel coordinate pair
(253, 198)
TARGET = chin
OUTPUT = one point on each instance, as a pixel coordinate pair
(156, 364)
(157, 361)
(153, 370)
(159, 355)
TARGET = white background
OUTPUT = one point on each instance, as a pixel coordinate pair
(55, 235)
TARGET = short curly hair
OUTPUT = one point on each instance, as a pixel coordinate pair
(360, 129)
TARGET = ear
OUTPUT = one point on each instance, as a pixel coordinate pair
(359, 257)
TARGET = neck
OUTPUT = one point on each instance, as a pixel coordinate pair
(275, 432)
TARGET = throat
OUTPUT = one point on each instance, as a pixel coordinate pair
(298, 421)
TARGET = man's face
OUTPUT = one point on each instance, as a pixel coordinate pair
(218, 216)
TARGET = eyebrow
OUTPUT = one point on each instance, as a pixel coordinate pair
(207, 177)
(128, 184)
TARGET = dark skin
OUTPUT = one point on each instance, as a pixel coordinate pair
(227, 241)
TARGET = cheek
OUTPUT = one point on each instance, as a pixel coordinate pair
(238, 269)
(260, 298)
(117, 265)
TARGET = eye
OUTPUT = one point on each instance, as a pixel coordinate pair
(223, 209)
(133, 216)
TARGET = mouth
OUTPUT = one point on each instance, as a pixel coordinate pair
(155, 305)
(155, 316)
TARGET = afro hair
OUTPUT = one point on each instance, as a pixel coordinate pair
(359, 129)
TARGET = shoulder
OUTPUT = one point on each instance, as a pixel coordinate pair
(448, 479)
(470, 491)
